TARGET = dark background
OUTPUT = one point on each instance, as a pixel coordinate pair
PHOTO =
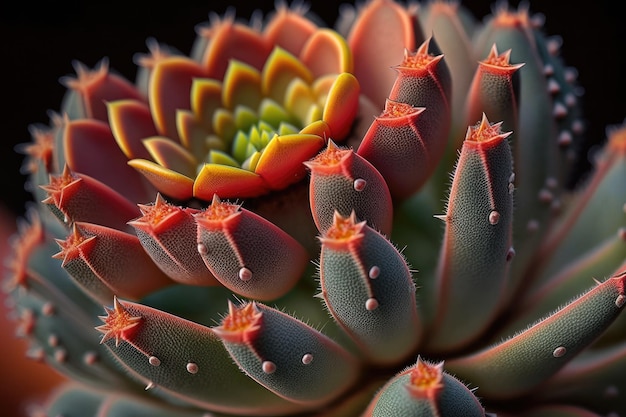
(40, 40)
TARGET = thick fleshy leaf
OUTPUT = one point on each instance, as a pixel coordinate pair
(224, 124)
(228, 40)
(599, 261)
(279, 70)
(185, 360)
(74, 399)
(272, 113)
(52, 313)
(171, 183)
(168, 234)
(495, 91)
(280, 163)
(342, 105)
(170, 89)
(326, 52)
(383, 30)
(89, 92)
(247, 120)
(343, 181)
(425, 390)
(520, 363)
(70, 398)
(423, 80)
(452, 25)
(603, 193)
(59, 329)
(614, 335)
(241, 86)
(206, 97)
(301, 101)
(106, 261)
(319, 128)
(228, 182)
(368, 289)
(395, 145)
(80, 198)
(91, 149)
(289, 29)
(536, 149)
(594, 380)
(246, 253)
(131, 122)
(194, 136)
(285, 355)
(171, 155)
(321, 88)
(476, 249)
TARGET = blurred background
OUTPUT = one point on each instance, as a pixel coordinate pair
(40, 39)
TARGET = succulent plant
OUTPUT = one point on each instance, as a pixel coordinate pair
(370, 219)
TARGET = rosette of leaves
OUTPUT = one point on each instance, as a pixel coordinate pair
(297, 219)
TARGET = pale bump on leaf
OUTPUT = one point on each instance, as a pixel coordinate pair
(520, 363)
(396, 146)
(246, 253)
(343, 181)
(289, 357)
(158, 354)
(474, 258)
(168, 234)
(368, 288)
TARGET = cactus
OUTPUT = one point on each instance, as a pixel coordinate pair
(368, 219)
